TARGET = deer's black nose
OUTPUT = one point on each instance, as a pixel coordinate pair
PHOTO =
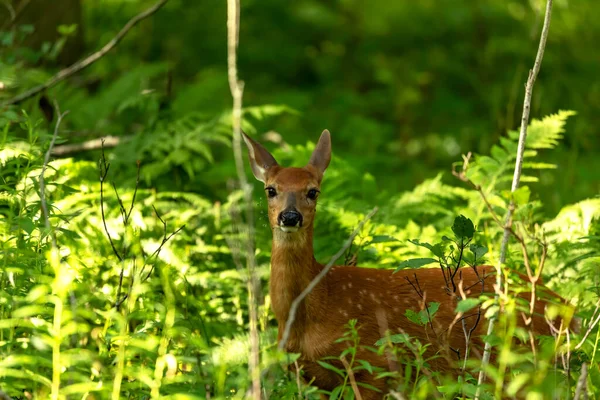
(290, 218)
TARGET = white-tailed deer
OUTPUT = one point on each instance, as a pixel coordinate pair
(376, 298)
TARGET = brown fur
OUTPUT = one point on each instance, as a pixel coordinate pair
(377, 299)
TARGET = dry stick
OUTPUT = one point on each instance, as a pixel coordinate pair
(298, 378)
(581, 382)
(93, 144)
(317, 279)
(164, 241)
(353, 384)
(86, 62)
(516, 178)
(591, 327)
(237, 89)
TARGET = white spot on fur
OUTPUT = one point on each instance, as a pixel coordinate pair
(350, 285)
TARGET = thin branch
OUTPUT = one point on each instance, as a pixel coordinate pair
(317, 279)
(15, 14)
(353, 384)
(104, 167)
(298, 368)
(162, 243)
(581, 382)
(43, 183)
(237, 89)
(93, 144)
(591, 327)
(4, 396)
(120, 202)
(137, 184)
(460, 256)
(419, 293)
(86, 62)
(517, 176)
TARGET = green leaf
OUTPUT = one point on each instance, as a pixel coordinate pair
(466, 305)
(366, 365)
(437, 249)
(478, 250)
(433, 307)
(463, 227)
(517, 382)
(413, 317)
(367, 386)
(397, 338)
(330, 367)
(67, 30)
(383, 239)
(335, 393)
(415, 263)
(521, 195)
(26, 224)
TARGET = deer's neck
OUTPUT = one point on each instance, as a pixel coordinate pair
(293, 267)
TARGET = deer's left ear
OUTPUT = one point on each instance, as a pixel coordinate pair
(322, 154)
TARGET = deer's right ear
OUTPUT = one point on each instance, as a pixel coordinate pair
(260, 159)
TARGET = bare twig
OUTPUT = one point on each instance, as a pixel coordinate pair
(317, 279)
(591, 327)
(43, 183)
(93, 144)
(104, 167)
(86, 62)
(15, 14)
(164, 241)
(352, 379)
(516, 177)
(397, 395)
(298, 378)
(237, 90)
(137, 184)
(4, 396)
(581, 382)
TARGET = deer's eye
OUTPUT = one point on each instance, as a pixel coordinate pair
(312, 194)
(271, 192)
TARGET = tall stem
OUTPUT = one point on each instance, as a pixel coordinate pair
(237, 89)
(516, 179)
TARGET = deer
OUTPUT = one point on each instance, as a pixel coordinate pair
(376, 298)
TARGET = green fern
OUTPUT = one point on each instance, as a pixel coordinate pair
(546, 133)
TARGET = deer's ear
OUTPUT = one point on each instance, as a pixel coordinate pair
(260, 159)
(322, 154)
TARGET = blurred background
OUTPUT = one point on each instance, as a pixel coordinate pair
(404, 87)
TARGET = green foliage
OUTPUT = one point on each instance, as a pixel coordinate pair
(168, 318)
(425, 316)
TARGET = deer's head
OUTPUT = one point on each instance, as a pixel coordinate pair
(291, 192)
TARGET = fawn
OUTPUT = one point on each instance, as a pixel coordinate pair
(377, 299)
